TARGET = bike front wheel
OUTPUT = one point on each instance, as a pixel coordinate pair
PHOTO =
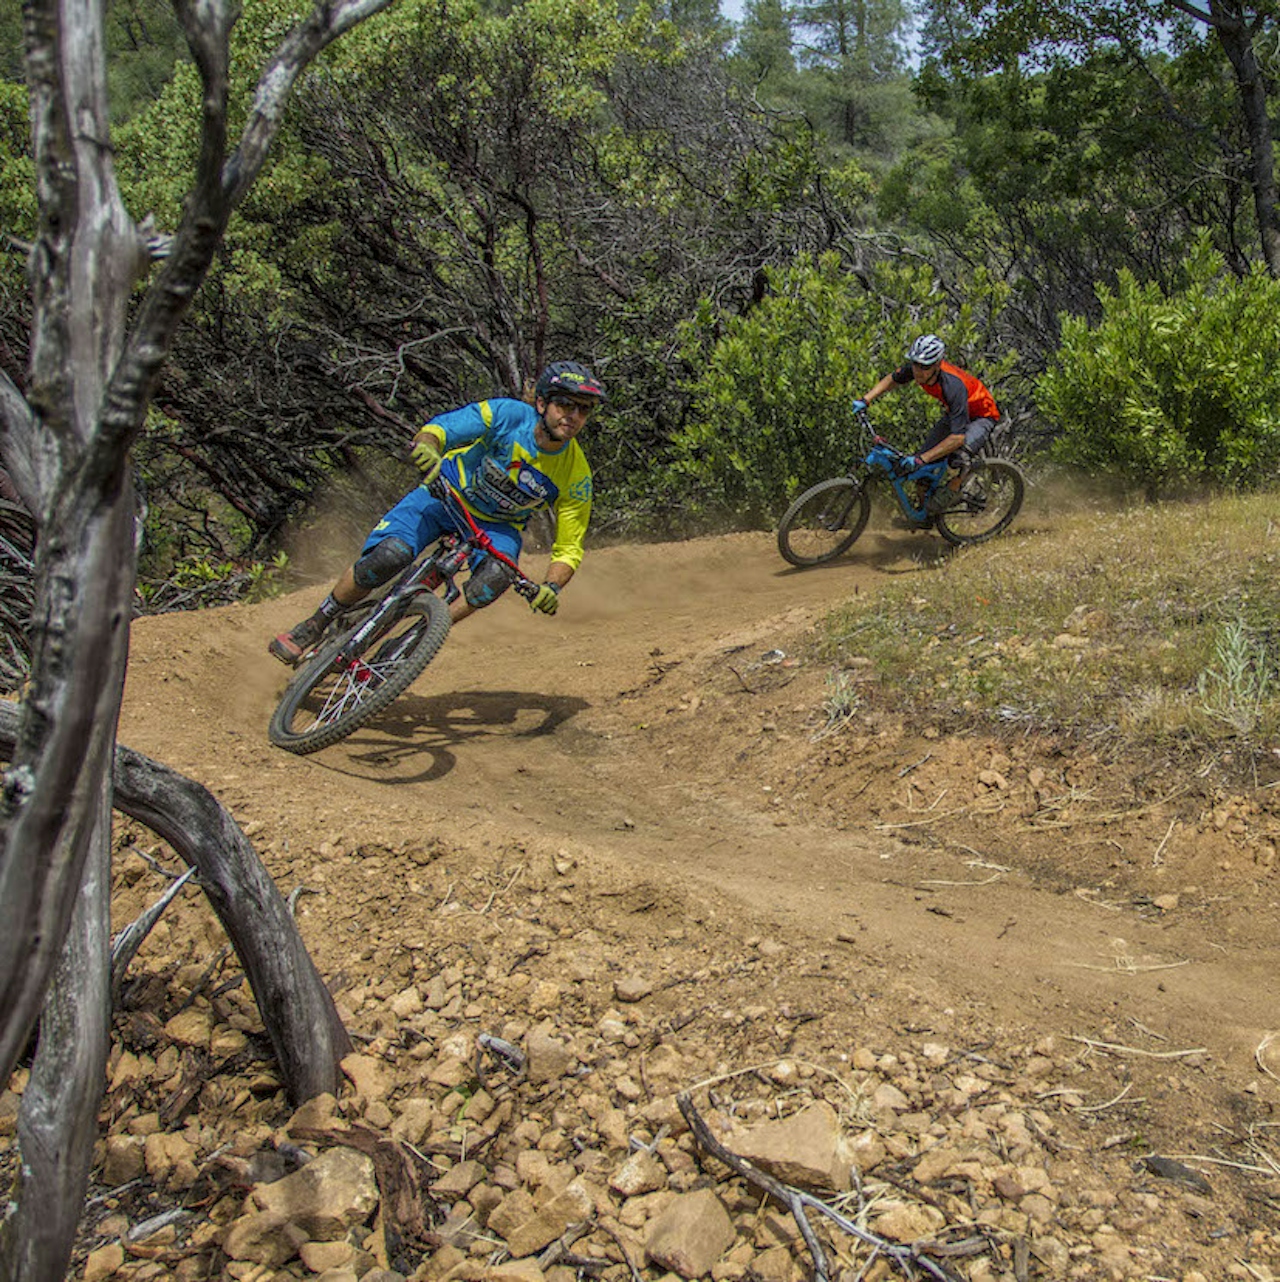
(335, 693)
(824, 521)
(990, 498)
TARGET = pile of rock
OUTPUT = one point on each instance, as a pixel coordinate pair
(584, 1165)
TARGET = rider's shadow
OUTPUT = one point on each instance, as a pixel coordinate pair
(897, 550)
(393, 743)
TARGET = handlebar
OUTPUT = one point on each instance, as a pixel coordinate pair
(869, 433)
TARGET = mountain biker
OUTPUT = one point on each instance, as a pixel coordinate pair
(507, 460)
(968, 412)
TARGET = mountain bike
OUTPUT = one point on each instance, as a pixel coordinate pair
(385, 645)
(828, 517)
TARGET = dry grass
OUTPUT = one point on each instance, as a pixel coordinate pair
(1137, 623)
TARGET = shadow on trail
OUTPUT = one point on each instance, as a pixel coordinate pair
(889, 552)
(391, 748)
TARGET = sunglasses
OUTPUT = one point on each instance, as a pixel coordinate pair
(572, 403)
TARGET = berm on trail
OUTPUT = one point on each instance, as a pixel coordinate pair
(1000, 1020)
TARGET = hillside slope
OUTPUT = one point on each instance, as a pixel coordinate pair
(647, 786)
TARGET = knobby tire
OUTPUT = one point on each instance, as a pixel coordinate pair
(347, 700)
(824, 521)
(990, 498)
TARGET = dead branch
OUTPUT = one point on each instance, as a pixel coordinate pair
(126, 944)
(297, 1010)
(907, 1259)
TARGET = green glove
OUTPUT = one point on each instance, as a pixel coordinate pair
(546, 600)
(427, 459)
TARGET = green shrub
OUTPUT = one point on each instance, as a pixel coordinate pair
(1172, 387)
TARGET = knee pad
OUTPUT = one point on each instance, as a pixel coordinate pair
(488, 581)
(382, 562)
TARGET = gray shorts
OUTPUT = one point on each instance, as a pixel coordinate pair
(975, 437)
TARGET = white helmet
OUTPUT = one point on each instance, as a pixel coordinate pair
(928, 349)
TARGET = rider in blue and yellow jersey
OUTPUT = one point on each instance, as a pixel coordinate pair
(508, 460)
(968, 410)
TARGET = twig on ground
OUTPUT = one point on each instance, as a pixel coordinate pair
(1147, 1032)
(986, 881)
(906, 1258)
(558, 1252)
(617, 1241)
(480, 912)
(1261, 1051)
(203, 982)
(1223, 1161)
(1083, 893)
(1111, 816)
(1127, 966)
(1116, 1049)
(930, 806)
(155, 864)
(511, 1055)
(756, 1069)
(294, 895)
(1261, 1277)
(980, 861)
(1098, 1108)
(919, 823)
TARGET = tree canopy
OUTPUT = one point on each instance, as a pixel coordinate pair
(466, 189)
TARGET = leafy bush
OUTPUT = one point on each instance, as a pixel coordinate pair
(1172, 387)
(771, 406)
(197, 582)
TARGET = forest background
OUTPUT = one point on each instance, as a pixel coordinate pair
(740, 225)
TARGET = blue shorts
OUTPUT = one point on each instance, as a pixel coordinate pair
(419, 519)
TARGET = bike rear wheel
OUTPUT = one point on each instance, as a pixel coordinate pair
(824, 521)
(333, 695)
(990, 498)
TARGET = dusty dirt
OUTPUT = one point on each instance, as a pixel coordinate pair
(646, 776)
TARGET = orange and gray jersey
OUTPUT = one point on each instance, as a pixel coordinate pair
(964, 397)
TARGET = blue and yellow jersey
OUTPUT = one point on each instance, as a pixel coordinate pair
(493, 460)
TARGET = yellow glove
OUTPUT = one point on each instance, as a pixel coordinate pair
(546, 600)
(427, 458)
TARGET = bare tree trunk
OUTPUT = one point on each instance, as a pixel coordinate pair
(58, 1121)
(1235, 33)
(84, 577)
(297, 1010)
(67, 443)
(1237, 44)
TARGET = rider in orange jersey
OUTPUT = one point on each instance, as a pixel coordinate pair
(969, 411)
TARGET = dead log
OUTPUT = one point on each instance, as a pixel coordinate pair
(297, 1010)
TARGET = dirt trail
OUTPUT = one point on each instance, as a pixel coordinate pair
(643, 785)
(639, 730)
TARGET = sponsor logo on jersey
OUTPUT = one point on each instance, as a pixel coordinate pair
(515, 489)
